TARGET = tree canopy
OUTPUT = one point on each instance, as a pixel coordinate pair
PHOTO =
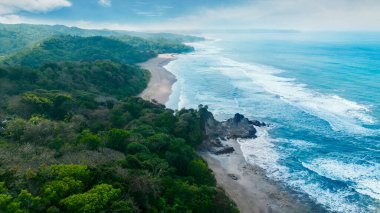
(75, 138)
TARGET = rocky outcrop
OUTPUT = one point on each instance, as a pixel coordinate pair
(238, 127)
(215, 132)
(221, 150)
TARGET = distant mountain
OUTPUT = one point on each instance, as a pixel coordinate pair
(128, 50)
(14, 37)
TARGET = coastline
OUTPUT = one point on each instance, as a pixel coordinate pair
(160, 84)
(246, 184)
(249, 187)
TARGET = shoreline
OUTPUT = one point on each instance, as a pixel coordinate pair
(161, 81)
(249, 187)
(246, 184)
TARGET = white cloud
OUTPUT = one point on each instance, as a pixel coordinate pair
(105, 3)
(157, 11)
(261, 14)
(286, 14)
(14, 6)
(11, 19)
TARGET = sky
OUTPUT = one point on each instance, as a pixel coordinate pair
(178, 15)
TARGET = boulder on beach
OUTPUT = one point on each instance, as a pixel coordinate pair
(233, 128)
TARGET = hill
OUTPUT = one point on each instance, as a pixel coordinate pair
(72, 139)
(15, 37)
(85, 82)
(74, 48)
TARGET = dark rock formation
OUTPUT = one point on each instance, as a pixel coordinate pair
(221, 150)
(215, 131)
(238, 127)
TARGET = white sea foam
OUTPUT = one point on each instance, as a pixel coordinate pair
(365, 179)
(341, 114)
(262, 152)
(297, 143)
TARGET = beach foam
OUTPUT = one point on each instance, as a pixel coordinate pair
(263, 152)
(364, 178)
(342, 114)
(309, 124)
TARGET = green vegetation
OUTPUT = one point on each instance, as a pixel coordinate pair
(74, 138)
(157, 45)
(127, 158)
(73, 48)
(58, 90)
(15, 37)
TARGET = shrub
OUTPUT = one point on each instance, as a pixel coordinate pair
(55, 190)
(15, 129)
(134, 148)
(123, 206)
(61, 171)
(92, 141)
(200, 172)
(95, 200)
(117, 139)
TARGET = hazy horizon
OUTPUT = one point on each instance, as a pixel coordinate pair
(170, 15)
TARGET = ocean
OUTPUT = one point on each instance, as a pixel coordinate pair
(320, 93)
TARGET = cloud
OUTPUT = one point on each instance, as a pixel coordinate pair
(157, 11)
(14, 6)
(105, 3)
(152, 13)
(328, 15)
(289, 14)
(11, 19)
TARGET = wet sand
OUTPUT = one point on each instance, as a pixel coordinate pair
(161, 81)
(248, 186)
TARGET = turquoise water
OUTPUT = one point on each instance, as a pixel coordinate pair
(319, 91)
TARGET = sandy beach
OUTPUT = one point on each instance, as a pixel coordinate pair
(248, 186)
(161, 81)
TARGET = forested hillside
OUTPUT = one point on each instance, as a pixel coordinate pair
(83, 81)
(14, 37)
(71, 149)
(74, 48)
(74, 138)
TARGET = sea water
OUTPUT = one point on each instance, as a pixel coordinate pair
(320, 93)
